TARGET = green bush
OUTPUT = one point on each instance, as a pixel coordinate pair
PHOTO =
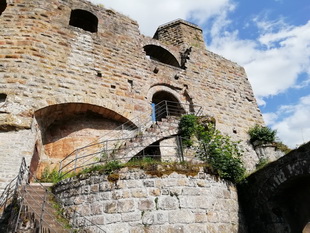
(262, 134)
(223, 154)
(52, 176)
(187, 127)
(111, 166)
(219, 151)
(107, 168)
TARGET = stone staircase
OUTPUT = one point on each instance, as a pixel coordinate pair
(123, 149)
(38, 213)
(159, 130)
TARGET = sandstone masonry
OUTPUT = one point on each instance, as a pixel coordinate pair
(138, 202)
(70, 72)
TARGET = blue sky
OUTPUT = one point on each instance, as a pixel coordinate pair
(270, 38)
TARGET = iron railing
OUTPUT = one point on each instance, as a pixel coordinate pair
(15, 203)
(117, 138)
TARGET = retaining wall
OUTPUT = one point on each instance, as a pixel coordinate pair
(138, 202)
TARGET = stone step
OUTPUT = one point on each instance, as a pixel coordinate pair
(34, 200)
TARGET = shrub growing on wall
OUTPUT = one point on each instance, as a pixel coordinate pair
(262, 134)
(219, 151)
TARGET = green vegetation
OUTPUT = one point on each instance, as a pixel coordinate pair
(282, 147)
(262, 134)
(261, 163)
(222, 155)
(188, 126)
(59, 212)
(53, 176)
(107, 168)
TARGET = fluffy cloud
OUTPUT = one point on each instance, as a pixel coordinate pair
(274, 60)
(292, 122)
(152, 14)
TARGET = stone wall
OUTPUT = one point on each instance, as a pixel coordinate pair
(46, 63)
(138, 202)
(276, 198)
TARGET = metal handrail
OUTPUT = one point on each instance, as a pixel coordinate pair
(163, 109)
(19, 191)
(10, 190)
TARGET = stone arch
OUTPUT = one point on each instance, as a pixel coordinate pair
(104, 103)
(3, 5)
(277, 198)
(69, 126)
(161, 54)
(165, 102)
(174, 51)
(84, 19)
(166, 88)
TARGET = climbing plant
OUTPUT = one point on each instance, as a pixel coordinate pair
(218, 151)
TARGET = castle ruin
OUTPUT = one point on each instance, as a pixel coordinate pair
(72, 72)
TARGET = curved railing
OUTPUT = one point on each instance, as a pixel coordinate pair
(111, 142)
(16, 206)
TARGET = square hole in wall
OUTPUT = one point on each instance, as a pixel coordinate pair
(2, 97)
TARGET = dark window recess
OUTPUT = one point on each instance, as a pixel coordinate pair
(99, 74)
(3, 5)
(2, 97)
(113, 86)
(160, 54)
(84, 19)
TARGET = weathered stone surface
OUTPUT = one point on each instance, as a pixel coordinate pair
(73, 86)
(214, 209)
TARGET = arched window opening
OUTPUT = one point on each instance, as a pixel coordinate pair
(84, 19)
(291, 203)
(165, 104)
(3, 5)
(160, 54)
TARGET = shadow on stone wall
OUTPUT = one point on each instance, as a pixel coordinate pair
(276, 199)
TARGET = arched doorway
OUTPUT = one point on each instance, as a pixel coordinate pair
(292, 204)
(165, 104)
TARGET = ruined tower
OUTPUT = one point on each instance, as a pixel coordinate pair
(71, 72)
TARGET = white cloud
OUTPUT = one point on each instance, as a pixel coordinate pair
(292, 122)
(151, 14)
(270, 118)
(274, 60)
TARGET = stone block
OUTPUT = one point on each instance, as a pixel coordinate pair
(181, 216)
(148, 218)
(197, 228)
(110, 207)
(131, 217)
(139, 193)
(124, 206)
(146, 204)
(113, 218)
(168, 203)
